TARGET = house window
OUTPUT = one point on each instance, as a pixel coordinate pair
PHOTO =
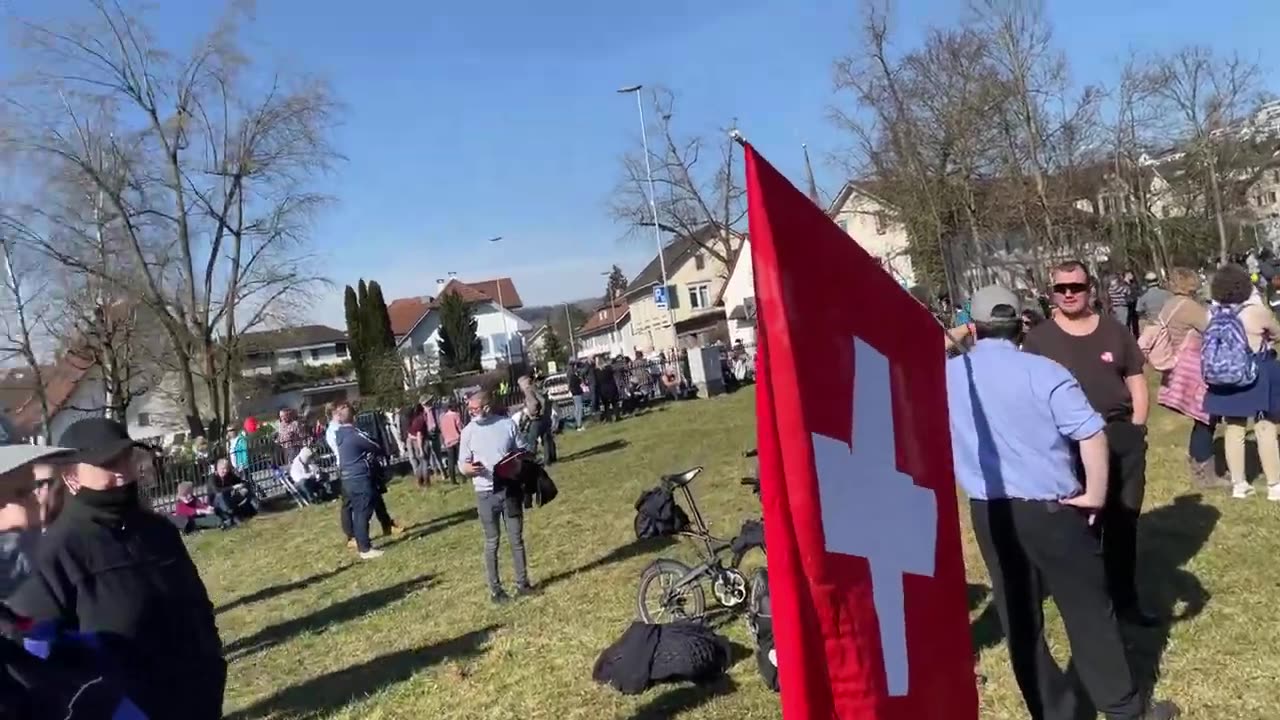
(144, 419)
(340, 349)
(1275, 176)
(1271, 198)
(1164, 211)
(699, 262)
(882, 224)
(315, 354)
(604, 314)
(699, 296)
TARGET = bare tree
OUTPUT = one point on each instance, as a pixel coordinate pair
(23, 311)
(1206, 96)
(696, 197)
(203, 177)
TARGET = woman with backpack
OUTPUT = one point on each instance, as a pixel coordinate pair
(1172, 345)
(1243, 376)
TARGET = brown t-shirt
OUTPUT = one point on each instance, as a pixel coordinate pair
(1100, 362)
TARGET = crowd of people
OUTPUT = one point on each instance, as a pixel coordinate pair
(1048, 425)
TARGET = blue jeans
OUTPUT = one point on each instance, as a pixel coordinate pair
(361, 502)
(577, 411)
(494, 508)
(1200, 444)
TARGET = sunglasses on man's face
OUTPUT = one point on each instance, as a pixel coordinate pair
(1071, 288)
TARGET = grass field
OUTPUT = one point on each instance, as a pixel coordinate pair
(312, 633)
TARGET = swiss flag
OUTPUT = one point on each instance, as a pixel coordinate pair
(866, 574)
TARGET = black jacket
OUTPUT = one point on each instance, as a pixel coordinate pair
(648, 654)
(128, 578)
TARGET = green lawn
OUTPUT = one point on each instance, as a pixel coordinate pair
(312, 633)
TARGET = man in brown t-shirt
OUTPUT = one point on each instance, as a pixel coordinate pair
(1104, 358)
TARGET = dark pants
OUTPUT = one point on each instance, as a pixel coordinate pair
(361, 502)
(494, 508)
(1200, 444)
(451, 459)
(541, 430)
(1118, 522)
(191, 524)
(377, 504)
(1033, 549)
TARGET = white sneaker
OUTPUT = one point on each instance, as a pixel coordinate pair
(371, 554)
(1273, 493)
(1241, 491)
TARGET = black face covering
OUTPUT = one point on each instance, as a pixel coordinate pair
(115, 501)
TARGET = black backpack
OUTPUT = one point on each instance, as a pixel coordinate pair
(658, 515)
(760, 620)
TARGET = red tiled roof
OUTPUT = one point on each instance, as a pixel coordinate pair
(59, 382)
(406, 312)
(603, 317)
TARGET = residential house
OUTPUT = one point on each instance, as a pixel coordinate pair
(696, 279)
(871, 221)
(534, 339)
(271, 351)
(607, 331)
(739, 299)
(416, 324)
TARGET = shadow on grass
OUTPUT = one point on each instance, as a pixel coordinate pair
(324, 619)
(618, 554)
(434, 525)
(985, 629)
(273, 591)
(594, 450)
(1168, 537)
(683, 699)
(329, 692)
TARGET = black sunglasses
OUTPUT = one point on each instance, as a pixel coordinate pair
(1071, 288)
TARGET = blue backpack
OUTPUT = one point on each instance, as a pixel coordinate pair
(1226, 359)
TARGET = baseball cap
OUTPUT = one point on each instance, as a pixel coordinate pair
(1151, 277)
(95, 441)
(14, 453)
(986, 300)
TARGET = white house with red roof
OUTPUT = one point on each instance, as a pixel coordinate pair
(607, 331)
(416, 323)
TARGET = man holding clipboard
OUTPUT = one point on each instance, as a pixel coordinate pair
(489, 453)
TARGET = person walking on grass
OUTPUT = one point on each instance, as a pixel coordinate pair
(1015, 419)
(389, 526)
(420, 432)
(450, 436)
(1243, 376)
(357, 458)
(1182, 387)
(486, 441)
(575, 391)
(538, 421)
(1104, 357)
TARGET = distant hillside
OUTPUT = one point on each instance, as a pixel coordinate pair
(538, 314)
(554, 315)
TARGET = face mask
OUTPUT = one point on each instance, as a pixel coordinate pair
(119, 499)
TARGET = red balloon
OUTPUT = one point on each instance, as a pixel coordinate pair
(251, 425)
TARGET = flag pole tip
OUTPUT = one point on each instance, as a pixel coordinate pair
(737, 137)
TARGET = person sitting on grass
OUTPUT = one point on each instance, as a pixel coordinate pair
(190, 513)
(232, 499)
(308, 478)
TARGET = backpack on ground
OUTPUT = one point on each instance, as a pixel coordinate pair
(658, 515)
(1156, 342)
(1226, 360)
(648, 654)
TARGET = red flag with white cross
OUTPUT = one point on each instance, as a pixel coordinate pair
(866, 574)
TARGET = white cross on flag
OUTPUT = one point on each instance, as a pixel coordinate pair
(866, 574)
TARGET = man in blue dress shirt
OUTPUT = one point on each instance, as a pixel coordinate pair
(1017, 422)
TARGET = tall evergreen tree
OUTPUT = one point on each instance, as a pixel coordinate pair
(617, 283)
(460, 348)
(378, 319)
(355, 335)
(552, 349)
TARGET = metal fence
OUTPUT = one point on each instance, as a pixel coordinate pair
(268, 461)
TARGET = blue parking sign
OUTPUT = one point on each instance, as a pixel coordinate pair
(660, 297)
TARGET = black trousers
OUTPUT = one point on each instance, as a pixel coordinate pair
(1118, 522)
(377, 503)
(1033, 549)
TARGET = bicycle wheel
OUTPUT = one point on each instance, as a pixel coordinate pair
(657, 599)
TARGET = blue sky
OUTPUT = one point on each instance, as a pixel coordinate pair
(470, 120)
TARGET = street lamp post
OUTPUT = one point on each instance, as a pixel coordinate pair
(653, 209)
(568, 323)
(502, 310)
(613, 312)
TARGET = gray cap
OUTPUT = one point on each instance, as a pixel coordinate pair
(14, 454)
(988, 299)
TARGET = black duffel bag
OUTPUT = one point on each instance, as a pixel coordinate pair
(658, 515)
